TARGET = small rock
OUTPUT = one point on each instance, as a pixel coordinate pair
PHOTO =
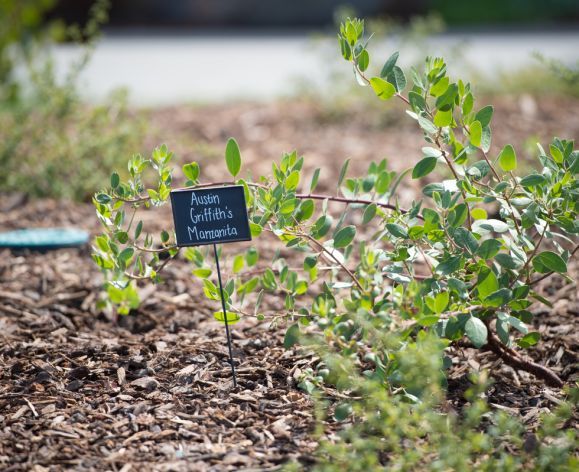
(78, 417)
(74, 386)
(146, 383)
(79, 372)
(42, 377)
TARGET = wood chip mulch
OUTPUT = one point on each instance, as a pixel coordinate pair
(153, 391)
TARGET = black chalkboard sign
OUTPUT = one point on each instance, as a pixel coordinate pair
(210, 215)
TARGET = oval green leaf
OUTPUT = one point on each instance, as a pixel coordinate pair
(548, 261)
(231, 317)
(232, 157)
(384, 90)
(508, 158)
(344, 237)
(476, 331)
(424, 167)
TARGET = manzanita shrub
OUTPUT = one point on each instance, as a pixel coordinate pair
(462, 262)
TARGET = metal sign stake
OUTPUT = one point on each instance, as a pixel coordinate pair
(225, 317)
(212, 215)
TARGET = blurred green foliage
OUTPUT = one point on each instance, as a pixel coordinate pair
(51, 142)
(418, 428)
(460, 12)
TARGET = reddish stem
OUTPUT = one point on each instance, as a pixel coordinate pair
(516, 361)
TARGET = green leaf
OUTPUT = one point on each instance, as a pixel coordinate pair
(518, 324)
(487, 283)
(503, 331)
(153, 195)
(486, 139)
(458, 215)
(508, 158)
(450, 265)
(441, 302)
(428, 320)
(191, 171)
(251, 256)
(255, 229)
(529, 340)
(465, 239)
(417, 101)
(238, 262)
(138, 229)
(389, 64)
(384, 90)
(476, 331)
(342, 411)
(556, 154)
(383, 182)
(533, 180)
(125, 256)
(115, 180)
(506, 261)
(292, 180)
(498, 298)
(268, 279)
(443, 118)
(489, 225)
(321, 226)
(363, 60)
(369, 213)
(397, 78)
(292, 336)
(346, 50)
(310, 262)
(305, 210)
(478, 213)
(343, 171)
(122, 237)
(202, 273)
(233, 157)
(475, 133)
(446, 101)
(484, 115)
(397, 230)
(439, 87)
(232, 317)
(427, 125)
(315, 178)
(103, 198)
(288, 206)
(467, 104)
(344, 236)
(424, 167)
(548, 261)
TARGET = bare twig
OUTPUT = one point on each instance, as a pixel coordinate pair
(516, 361)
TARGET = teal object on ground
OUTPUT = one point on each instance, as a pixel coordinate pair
(43, 238)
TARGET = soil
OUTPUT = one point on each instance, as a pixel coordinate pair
(152, 390)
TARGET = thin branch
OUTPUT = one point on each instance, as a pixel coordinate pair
(505, 196)
(329, 253)
(516, 361)
(155, 251)
(349, 201)
(529, 258)
(159, 269)
(453, 170)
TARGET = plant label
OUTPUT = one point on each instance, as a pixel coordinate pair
(210, 215)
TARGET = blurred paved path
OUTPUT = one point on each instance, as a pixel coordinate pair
(165, 70)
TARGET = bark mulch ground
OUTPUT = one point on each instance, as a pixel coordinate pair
(152, 391)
